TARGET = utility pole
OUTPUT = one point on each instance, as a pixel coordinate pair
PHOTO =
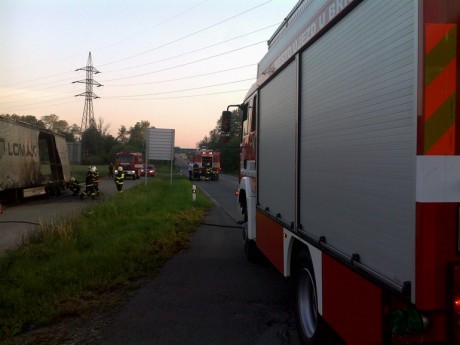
(88, 111)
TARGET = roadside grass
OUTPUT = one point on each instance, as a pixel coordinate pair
(64, 267)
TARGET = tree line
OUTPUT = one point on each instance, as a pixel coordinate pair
(99, 147)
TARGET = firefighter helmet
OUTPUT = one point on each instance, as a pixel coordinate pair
(120, 168)
(93, 169)
(72, 179)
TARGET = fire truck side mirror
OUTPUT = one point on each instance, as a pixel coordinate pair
(226, 121)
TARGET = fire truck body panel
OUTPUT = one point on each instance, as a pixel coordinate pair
(358, 157)
(357, 163)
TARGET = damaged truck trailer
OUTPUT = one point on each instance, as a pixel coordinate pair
(33, 161)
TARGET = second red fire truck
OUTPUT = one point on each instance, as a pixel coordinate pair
(203, 158)
(132, 163)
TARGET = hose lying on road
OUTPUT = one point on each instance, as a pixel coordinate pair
(222, 226)
(24, 222)
(17, 221)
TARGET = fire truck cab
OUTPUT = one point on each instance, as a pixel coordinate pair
(131, 162)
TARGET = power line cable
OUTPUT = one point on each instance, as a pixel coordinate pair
(190, 52)
(138, 84)
(178, 97)
(54, 99)
(186, 53)
(186, 64)
(67, 81)
(22, 109)
(145, 99)
(193, 51)
(110, 45)
(39, 78)
(153, 27)
(184, 78)
(191, 89)
(187, 36)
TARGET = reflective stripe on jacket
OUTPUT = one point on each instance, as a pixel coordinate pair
(119, 178)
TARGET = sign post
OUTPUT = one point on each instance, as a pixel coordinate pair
(160, 145)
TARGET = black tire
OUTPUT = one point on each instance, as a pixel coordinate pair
(250, 248)
(309, 322)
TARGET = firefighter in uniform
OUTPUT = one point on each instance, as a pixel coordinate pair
(90, 180)
(111, 170)
(119, 179)
(196, 172)
(208, 172)
(74, 186)
(96, 179)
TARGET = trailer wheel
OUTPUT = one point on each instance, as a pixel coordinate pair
(308, 319)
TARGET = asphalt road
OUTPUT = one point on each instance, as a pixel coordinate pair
(209, 294)
(222, 192)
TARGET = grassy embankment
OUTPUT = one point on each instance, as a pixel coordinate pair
(65, 267)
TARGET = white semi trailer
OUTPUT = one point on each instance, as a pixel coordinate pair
(33, 161)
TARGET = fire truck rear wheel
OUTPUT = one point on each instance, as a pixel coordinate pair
(309, 321)
(250, 248)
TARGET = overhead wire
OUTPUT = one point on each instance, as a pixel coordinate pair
(177, 66)
(176, 56)
(27, 107)
(184, 78)
(158, 47)
(115, 43)
(153, 27)
(169, 68)
(190, 89)
(187, 63)
(194, 51)
(183, 96)
(148, 99)
(189, 35)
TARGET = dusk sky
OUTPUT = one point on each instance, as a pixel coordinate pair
(174, 63)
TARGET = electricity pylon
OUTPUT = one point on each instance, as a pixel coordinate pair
(88, 111)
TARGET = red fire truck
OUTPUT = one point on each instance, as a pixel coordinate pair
(350, 168)
(203, 157)
(132, 163)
